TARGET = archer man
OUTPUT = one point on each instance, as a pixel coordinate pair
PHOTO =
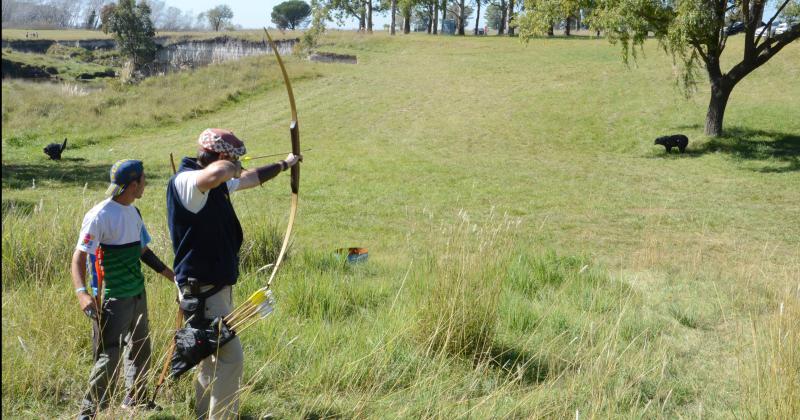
(206, 237)
(114, 240)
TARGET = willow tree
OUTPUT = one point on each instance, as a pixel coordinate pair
(694, 33)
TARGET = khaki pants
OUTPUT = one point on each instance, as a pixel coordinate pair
(124, 326)
(218, 376)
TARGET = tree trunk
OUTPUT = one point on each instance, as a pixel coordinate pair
(566, 26)
(362, 20)
(406, 24)
(461, 17)
(435, 15)
(502, 25)
(550, 30)
(510, 17)
(477, 16)
(394, 15)
(444, 13)
(369, 16)
(720, 92)
(430, 18)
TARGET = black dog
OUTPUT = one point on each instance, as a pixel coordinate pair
(678, 140)
(54, 150)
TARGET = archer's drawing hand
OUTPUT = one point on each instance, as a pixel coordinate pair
(237, 171)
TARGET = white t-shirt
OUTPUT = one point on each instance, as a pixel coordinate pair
(111, 223)
(191, 197)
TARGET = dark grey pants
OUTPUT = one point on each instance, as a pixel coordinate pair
(124, 327)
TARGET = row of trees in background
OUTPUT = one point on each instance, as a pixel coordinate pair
(431, 16)
(503, 16)
(89, 14)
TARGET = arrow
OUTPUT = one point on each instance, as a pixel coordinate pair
(246, 158)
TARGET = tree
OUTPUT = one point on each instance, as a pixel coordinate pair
(219, 16)
(394, 15)
(171, 20)
(423, 14)
(344, 9)
(693, 33)
(478, 15)
(91, 11)
(791, 13)
(370, 7)
(494, 16)
(133, 30)
(91, 21)
(406, 7)
(291, 14)
(511, 23)
(157, 8)
(435, 16)
(106, 15)
(461, 22)
(443, 8)
(459, 11)
(543, 14)
(319, 14)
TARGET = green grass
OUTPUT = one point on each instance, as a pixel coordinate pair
(532, 253)
(62, 68)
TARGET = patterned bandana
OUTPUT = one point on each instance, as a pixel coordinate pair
(221, 141)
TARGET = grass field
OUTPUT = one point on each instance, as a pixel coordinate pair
(532, 253)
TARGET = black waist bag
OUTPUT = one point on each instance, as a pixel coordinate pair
(192, 345)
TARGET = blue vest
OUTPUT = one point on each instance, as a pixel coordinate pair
(206, 244)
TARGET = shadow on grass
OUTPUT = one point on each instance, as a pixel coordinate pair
(748, 144)
(518, 364)
(65, 172)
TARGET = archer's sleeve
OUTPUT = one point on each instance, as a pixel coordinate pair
(144, 236)
(89, 237)
(233, 184)
(191, 197)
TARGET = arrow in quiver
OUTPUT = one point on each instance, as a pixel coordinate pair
(193, 345)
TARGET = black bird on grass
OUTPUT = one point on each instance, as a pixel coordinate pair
(54, 150)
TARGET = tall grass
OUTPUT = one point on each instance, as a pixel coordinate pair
(459, 316)
(38, 240)
(771, 376)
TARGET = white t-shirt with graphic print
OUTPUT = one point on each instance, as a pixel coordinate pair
(111, 223)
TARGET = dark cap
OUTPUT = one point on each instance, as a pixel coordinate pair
(122, 174)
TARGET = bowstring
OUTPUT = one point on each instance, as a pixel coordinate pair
(253, 85)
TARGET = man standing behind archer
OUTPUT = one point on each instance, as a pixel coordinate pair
(113, 238)
(206, 237)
